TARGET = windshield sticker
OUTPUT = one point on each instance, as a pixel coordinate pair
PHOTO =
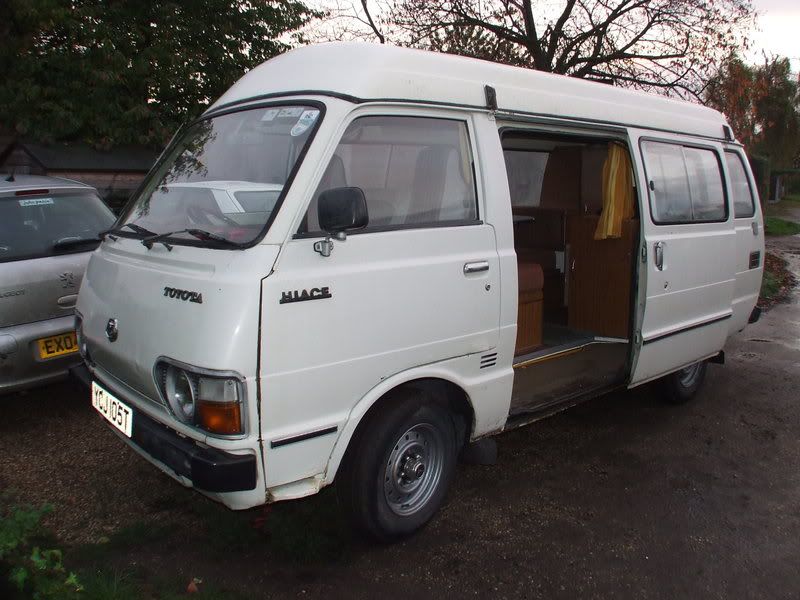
(269, 115)
(36, 201)
(293, 111)
(305, 121)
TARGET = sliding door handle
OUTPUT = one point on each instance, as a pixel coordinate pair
(476, 267)
(658, 251)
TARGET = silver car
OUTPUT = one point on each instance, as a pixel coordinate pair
(48, 228)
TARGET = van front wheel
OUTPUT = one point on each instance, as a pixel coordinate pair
(397, 474)
(681, 386)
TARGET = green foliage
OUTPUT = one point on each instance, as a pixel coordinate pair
(762, 104)
(31, 571)
(108, 72)
(778, 226)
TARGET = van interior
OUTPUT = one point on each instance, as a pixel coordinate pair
(576, 230)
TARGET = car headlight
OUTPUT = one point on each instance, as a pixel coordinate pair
(204, 399)
(180, 392)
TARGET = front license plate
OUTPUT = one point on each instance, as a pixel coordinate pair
(58, 345)
(115, 412)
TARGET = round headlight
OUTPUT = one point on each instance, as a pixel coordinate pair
(181, 393)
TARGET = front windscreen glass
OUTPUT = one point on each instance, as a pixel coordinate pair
(48, 222)
(222, 179)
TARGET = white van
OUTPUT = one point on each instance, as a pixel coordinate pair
(455, 248)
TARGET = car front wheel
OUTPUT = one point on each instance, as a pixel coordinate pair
(397, 473)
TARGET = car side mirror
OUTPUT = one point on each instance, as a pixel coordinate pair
(342, 209)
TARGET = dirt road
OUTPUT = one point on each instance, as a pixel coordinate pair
(621, 496)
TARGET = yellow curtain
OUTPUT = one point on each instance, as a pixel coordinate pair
(618, 200)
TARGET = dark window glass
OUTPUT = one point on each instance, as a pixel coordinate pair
(48, 224)
(525, 176)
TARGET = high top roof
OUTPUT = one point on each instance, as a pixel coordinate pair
(365, 72)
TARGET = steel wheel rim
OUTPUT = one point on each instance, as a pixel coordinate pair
(688, 376)
(414, 469)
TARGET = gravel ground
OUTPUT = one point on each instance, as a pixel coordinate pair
(619, 496)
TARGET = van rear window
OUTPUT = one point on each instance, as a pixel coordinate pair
(47, 224)
(743, 204)
(685, 184)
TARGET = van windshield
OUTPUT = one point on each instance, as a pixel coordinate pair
(224, 176)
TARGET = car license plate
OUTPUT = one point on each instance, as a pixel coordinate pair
(58, 345)
(115, 412)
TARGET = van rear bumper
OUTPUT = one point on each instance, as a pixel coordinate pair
(208, 469)
(755, 315)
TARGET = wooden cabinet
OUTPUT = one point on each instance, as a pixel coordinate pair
(599, 277)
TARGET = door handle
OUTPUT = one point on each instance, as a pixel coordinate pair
(658, 249)
(476, 267)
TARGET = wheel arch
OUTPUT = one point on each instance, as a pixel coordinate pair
(441, 386)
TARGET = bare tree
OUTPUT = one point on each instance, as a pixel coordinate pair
(349, 20)
(673, 45)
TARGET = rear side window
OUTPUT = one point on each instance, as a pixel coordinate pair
(414, 172)
(45, 224)
(685, 184)
(742, 193)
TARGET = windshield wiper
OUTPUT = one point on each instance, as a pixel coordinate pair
(201, 234)
(132, 226)
(69, 242)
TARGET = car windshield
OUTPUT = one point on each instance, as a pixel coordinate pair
(44, 223)
(223, 176)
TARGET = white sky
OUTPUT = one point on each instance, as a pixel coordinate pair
(779, 25)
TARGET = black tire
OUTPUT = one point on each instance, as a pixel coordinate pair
(681, 386)
(393, 441)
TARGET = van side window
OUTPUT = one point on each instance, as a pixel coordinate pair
(743, 203)
(685, 184)
(414, 171)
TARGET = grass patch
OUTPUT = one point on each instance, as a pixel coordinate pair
(791, 198)
(134, 536)
(778, 226)
(125, 585)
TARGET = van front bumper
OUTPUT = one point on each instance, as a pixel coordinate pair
(203, 468)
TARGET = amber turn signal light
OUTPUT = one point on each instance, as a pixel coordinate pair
(222, 418)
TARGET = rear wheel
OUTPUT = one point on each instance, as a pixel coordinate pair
(397, 473)
(681, 386)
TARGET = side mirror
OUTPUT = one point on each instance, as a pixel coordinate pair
(342, 209)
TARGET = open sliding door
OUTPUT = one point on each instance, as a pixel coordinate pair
(689, 254)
